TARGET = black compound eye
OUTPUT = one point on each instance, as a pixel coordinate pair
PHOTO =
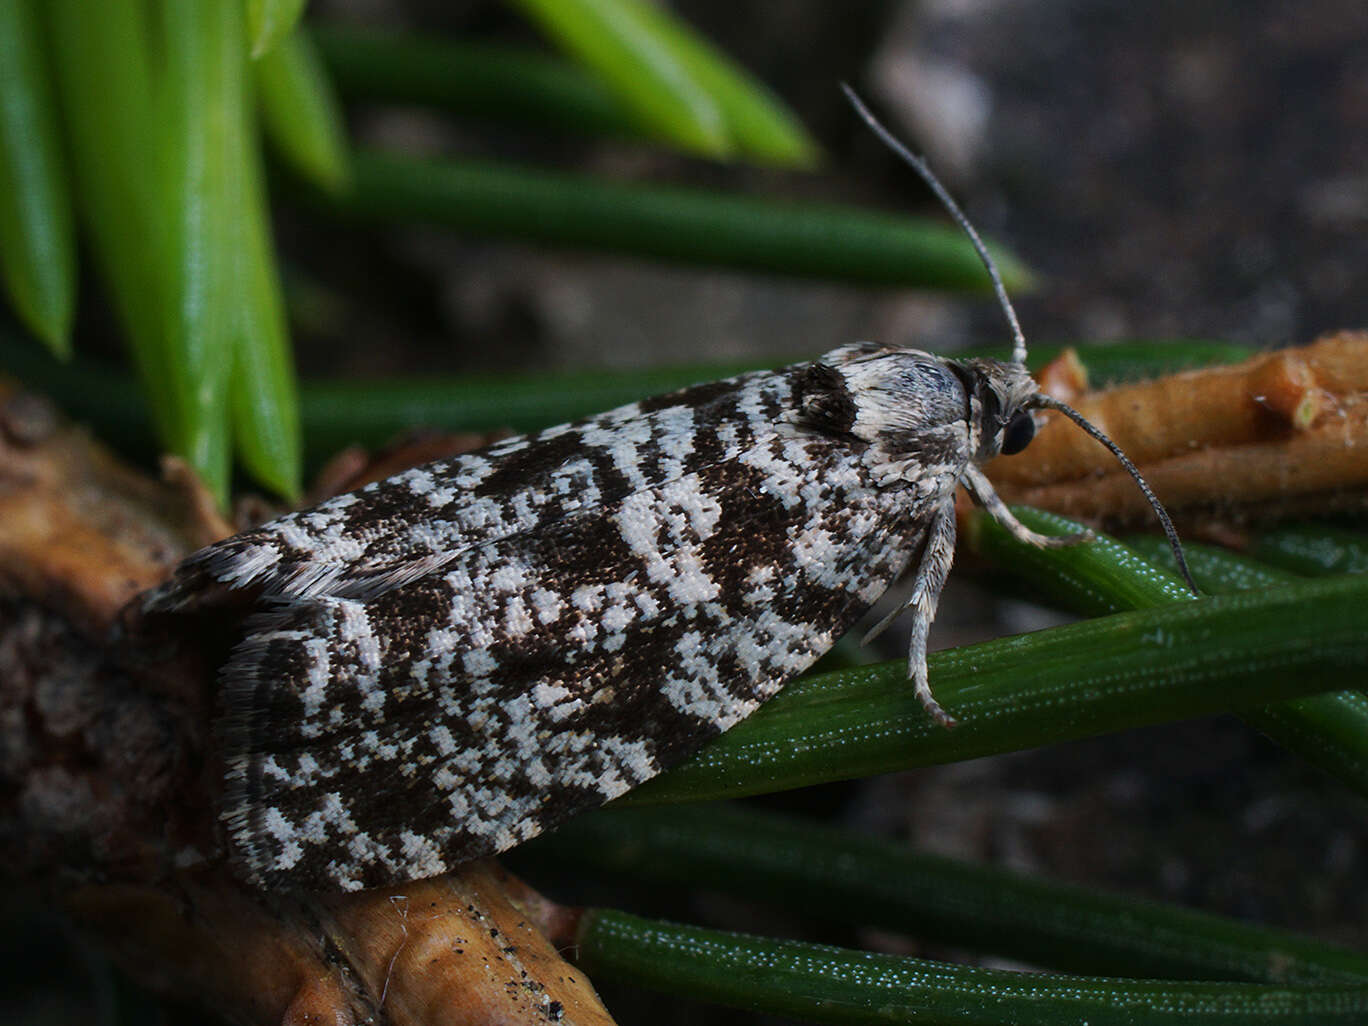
(1018, 433)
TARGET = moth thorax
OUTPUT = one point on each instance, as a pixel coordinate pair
(875, 397)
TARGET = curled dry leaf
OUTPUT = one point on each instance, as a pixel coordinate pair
(469, 947)
(1281, 434)
(466, 947)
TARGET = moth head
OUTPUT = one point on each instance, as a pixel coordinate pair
(1000, 398)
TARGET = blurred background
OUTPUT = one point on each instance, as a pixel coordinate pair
(1167, 170)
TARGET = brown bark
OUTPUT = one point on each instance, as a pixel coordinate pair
(470, 947)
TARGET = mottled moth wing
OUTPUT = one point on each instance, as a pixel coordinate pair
(577, 611)
(397, 530)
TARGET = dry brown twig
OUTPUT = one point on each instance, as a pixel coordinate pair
(109, 778)
(1282, 434)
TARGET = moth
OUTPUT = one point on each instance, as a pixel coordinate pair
(446, 663)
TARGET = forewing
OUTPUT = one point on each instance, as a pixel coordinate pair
(393, 736)
(401, 529)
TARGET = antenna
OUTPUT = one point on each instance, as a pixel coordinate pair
(1040, 400)
(1043, 401)
(918, 165)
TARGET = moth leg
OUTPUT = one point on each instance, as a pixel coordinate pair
(937, 554)
(982, 490)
